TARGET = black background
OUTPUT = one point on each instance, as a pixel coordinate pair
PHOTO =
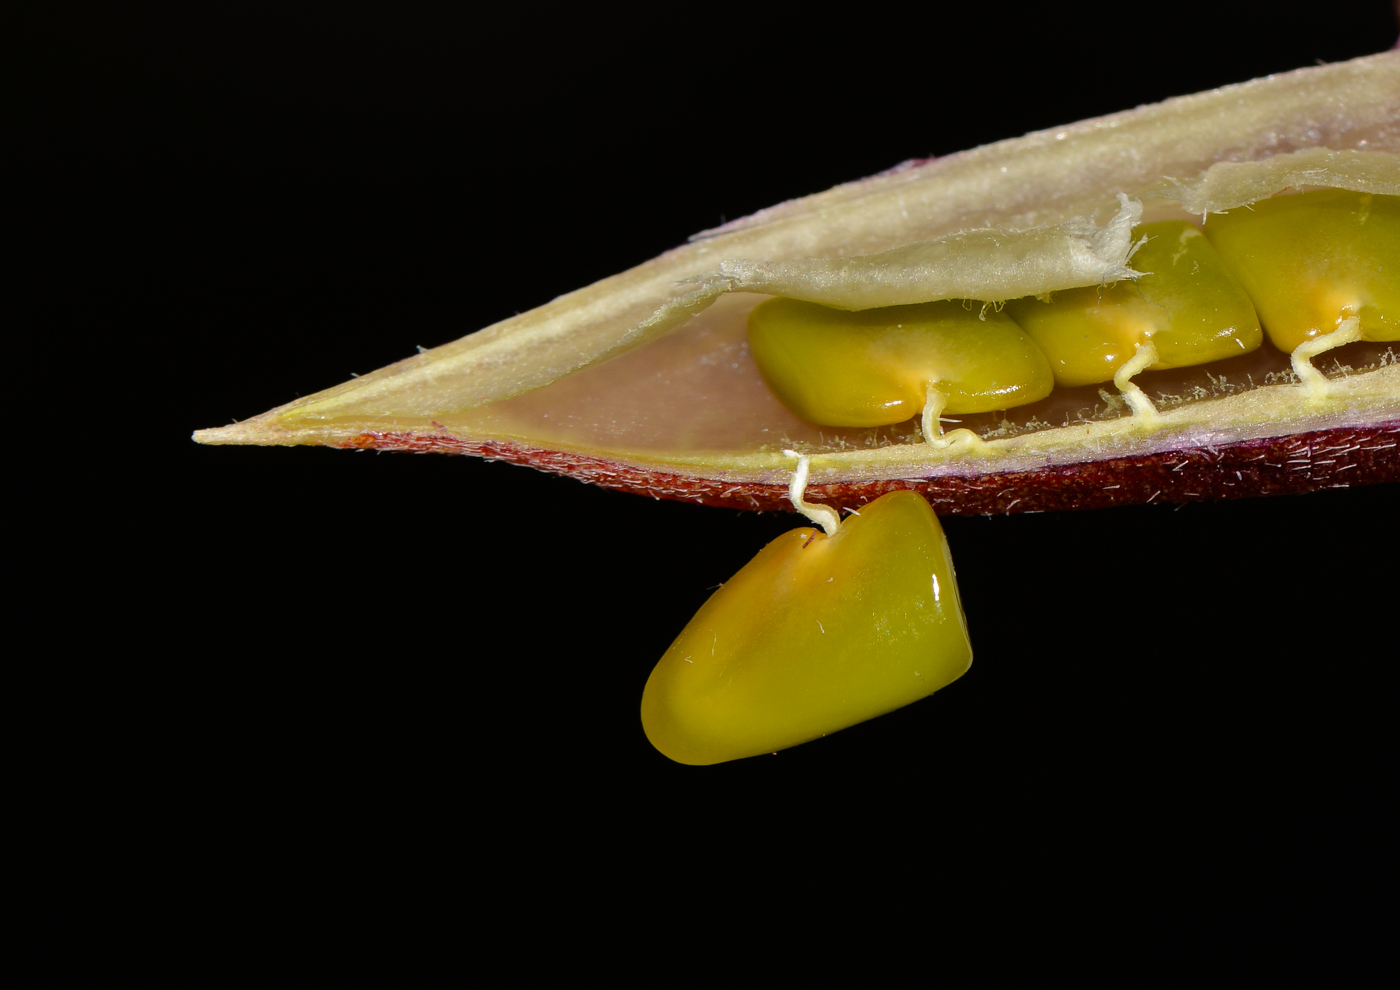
(330, 665)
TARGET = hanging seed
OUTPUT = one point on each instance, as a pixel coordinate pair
(816, 633)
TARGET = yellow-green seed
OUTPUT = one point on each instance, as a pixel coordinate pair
(1312, 261)
(813, 635)
(874, 367)
(1186, 303)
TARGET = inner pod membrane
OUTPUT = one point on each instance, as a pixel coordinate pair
(1296, 266)
(813, 635)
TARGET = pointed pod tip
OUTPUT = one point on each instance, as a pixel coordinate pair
(259, 431)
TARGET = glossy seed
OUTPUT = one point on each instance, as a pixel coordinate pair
(1186, 303)
(1313, 261)
(875, 367)
(813, 635)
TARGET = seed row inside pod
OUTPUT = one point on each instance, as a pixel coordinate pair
(1322, 267)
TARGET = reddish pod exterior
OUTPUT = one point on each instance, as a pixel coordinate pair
(1303, 462)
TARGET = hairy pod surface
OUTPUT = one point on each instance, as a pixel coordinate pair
(644, 381)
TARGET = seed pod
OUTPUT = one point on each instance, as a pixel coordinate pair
(564, 386)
